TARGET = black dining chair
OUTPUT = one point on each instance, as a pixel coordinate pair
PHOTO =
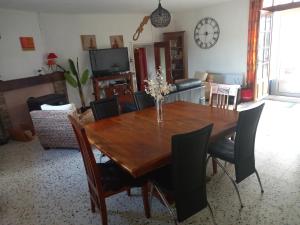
(143, 100)
(240, 152)
(105, 108)
(184, 180)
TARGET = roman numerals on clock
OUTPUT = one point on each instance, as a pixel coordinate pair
(206, 33)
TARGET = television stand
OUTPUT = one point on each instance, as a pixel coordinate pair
(122, 90)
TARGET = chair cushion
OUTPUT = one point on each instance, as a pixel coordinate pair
(163, 178)
(114, 178)
(223, 149)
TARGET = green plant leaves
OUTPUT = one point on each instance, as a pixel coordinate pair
(73, 68)
(70, 79)
(84, 77)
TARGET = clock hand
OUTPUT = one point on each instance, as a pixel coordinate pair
(207, 33)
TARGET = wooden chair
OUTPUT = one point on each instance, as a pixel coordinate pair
(105, 179)
(220, 94)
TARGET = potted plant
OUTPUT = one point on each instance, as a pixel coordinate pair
(77, 80)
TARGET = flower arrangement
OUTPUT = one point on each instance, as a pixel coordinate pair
(157, 87)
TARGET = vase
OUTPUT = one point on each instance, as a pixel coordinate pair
(159, 110)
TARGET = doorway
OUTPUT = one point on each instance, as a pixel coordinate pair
(278, 67)
(285, 66)
(144, 64)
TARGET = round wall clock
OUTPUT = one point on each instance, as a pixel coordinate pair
(206, 33)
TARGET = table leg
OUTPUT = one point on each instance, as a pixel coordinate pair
(145, 194)
(214, 164)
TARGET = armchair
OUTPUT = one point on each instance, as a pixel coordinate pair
(54, 129)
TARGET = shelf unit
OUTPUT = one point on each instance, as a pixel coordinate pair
(123, 89)
(177, 64)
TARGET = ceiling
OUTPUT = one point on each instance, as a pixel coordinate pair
(103, 6)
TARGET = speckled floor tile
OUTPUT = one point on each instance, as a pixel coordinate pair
(39, 187)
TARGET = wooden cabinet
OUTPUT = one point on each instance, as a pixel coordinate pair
(175, 63)
(119, 84)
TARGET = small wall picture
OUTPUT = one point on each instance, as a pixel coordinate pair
(27, 43)
(88, 42)
(116, 41)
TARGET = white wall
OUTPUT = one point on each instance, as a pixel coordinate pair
(62, 32)
(230, 52)
(15, 63)
(150, 61)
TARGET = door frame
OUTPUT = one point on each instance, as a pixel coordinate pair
(166, 46)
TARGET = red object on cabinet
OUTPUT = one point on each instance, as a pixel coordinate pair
(247, 94)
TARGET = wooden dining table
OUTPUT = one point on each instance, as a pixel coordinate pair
(139, 144)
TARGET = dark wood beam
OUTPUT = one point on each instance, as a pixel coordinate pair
(10, 85)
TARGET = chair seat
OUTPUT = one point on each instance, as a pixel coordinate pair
(163, 178)
(114, 178)
(223, 149)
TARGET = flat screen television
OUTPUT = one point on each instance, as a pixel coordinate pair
(109, 61)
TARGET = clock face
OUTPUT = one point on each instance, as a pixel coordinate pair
(206, 33)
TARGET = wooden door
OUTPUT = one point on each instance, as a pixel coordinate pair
(162, 59)
(264, 55)
(140, 67)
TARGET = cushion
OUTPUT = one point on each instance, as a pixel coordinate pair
(226, 78)
(113, 177)
(187, 84)
(58, 107)
(173, 88)
(163, 178)
(201, 75)
(223, 149)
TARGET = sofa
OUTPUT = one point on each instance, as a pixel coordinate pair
(189, 90)
(219, 78)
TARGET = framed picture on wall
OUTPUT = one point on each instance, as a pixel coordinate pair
(88, 42)
(27, 43)
(116, 41)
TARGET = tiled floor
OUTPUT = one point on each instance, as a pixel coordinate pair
(40, 187)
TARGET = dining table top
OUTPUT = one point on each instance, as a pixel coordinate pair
(139, 144)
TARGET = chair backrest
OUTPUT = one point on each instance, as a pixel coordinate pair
(143, 100)
(105, 108)
(221, 96)
(189, 171)
(92, 171)
(244, 159)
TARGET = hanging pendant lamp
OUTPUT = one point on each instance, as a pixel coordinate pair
(160, 17)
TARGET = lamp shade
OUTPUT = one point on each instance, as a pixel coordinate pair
(160, 17)
(52, 56)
